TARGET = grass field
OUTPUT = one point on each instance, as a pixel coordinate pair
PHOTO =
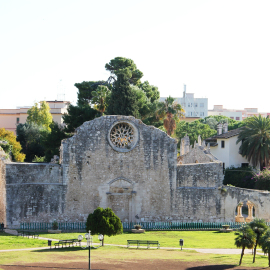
(192, 239)
(120, 254)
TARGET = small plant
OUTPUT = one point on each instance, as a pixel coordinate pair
(38, 159)
(137, 226)
(229, 185)
(55, 225)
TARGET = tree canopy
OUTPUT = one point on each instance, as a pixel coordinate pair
(31, 137)
(255, 140)
(16, 146)
(104, 221)
(193, 130)
(40, 116)
(77, 115)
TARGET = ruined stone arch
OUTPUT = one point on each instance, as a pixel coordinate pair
(250, 211)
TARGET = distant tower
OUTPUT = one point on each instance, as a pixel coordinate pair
(60, 91)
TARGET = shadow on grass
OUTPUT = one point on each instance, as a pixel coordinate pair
(212, 267)
(65, 249)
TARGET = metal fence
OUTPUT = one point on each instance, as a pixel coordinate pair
(127, 226)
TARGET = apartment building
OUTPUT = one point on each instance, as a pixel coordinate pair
(10, 118)
(236, 114)
(194, 107)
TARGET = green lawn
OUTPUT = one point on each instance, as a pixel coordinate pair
(192, 239)
(8, 241)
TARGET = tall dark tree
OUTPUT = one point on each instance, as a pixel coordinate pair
(77, 115)
(255, 138)
(52, 141)
(120, 65)
(265, 243)
(85, 90)
(31, 138)
(104, 221)
(123, 99)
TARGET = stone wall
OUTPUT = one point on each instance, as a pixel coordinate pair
(197, 196)
(2, 188)
(35, 192)
(233, 196)
(200, 175)
(144, 176)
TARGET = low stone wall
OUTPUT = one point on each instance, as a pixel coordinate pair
(233, 196)
(34, 193)
(2, 191)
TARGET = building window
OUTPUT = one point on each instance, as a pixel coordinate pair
(189, 104)
(195, 104)
(18, 120)
(232, 117)
(244, 165)
(201, 105)
(237, 118)
(201, 113)
(190, 113)
(222, 144)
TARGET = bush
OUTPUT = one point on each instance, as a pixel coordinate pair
(262, 180)
(239, 177)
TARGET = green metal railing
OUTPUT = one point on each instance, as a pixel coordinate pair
(149, 226)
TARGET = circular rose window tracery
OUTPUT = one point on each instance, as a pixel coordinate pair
(123, 136)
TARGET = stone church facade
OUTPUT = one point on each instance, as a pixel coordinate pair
(121, 163)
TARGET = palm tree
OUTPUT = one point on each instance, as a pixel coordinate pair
(265, 244)
(170, 111)
(255, 138)
(259, 227)
(245, 239)
(100, 98)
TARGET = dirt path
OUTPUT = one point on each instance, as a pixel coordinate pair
(133, 265)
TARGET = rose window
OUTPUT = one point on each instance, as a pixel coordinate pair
(122, 135)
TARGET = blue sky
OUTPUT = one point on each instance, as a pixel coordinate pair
(219, 49)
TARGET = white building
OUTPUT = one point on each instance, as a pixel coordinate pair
(223, 146)
(235, 114)
(194, 107)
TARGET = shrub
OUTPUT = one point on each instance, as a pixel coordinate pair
(239, 177)
(262, 179)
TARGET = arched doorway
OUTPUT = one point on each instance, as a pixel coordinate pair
(120, 197)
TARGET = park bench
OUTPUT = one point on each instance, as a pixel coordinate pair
(23, 233)
(65, 242)
(142, 242)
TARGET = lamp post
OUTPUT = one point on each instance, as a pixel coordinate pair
(100, 238)
(88, 245)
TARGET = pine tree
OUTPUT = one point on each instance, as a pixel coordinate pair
(123, 99)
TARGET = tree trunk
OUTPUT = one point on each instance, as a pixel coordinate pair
(242, 254)
(268, 258)
(255, 251)
(103, 241)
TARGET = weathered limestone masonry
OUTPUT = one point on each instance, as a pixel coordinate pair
(119, 162)
(35, 192)
(2, 186)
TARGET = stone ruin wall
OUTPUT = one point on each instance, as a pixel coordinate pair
(197, 197)
(234, 195)
(35, 192)
(2, 188)
(137, 184)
